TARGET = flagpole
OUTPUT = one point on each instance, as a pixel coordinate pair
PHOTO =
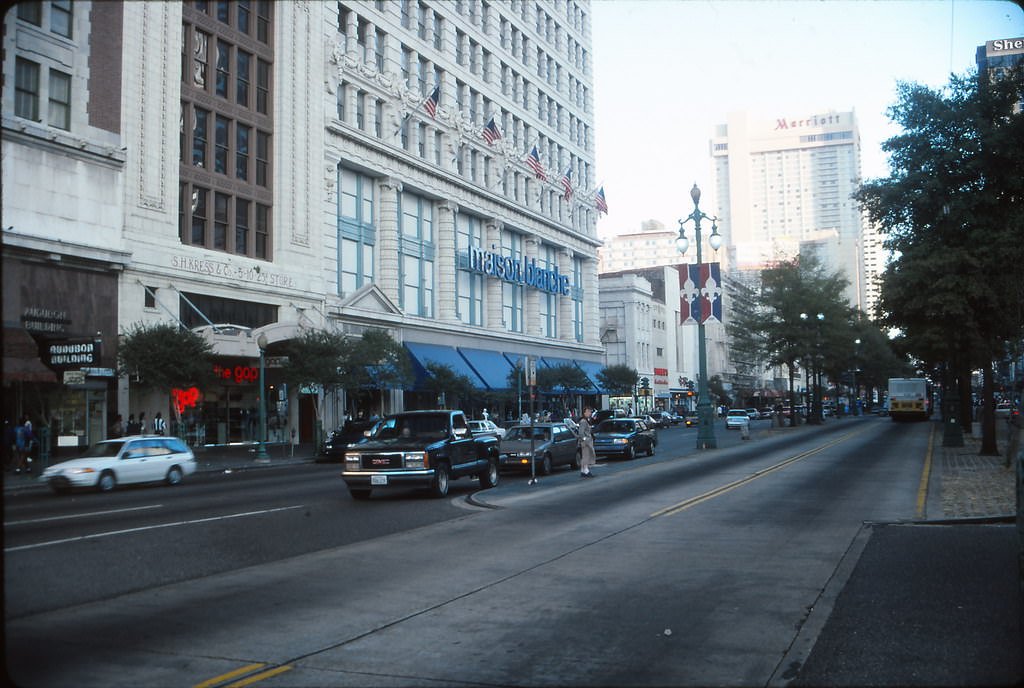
(409, 114)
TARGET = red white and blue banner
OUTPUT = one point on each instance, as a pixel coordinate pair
(700, 292)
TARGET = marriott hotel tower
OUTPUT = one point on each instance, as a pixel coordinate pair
(783, 187)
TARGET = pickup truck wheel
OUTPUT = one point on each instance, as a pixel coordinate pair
(489, 478)
(359, 493)
(545, 464)
(439, 486)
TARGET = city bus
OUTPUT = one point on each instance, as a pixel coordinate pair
(910, 398)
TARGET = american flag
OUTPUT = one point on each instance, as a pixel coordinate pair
(491, 133)
(533, 162)
(567, 184)
(599, 201)
(430, 104)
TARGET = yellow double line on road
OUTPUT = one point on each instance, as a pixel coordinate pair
(218, 680)
(719, 491)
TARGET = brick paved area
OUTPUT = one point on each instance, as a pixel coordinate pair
(976, 486)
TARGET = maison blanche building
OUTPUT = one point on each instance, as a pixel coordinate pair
(261, 168)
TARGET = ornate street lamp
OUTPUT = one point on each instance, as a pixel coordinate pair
(261, 451)
(705, 415)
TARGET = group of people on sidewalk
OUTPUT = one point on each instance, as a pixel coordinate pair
(136, 427)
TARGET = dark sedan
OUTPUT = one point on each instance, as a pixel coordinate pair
(625, 437)
(350, 434)
(554, 444)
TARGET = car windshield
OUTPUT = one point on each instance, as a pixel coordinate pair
(737, 413)
(614, 426)
(103, 449)
(431, 427)
(523, 433)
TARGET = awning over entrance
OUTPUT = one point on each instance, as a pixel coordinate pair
(552, 362)
(491, 366)
(21, 358)
(424, 354)
(592, 369)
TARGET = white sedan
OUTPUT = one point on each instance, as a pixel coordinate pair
(486, 427)
(736, 418)
(140, 459)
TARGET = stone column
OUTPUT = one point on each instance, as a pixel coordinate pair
(591, 305)
(492, 285)
(565, 329)
(387, 238)
(446, 261)
(531, 307)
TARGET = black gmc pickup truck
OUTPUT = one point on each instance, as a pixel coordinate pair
(420, 449)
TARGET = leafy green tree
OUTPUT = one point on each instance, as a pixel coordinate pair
(318, 359)
(568, 378)
(452, 388)
(953, 212)
(376, 361)
(165, 357)
(619, 379)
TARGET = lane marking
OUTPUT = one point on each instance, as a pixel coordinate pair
(729, 487)
(228, 676)
(153, 527)
(92, 513)
(922, 491)
(259, 677)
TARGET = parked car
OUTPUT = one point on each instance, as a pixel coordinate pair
(486, 427)
(624, 437)
(554, 444)
(350, 434)
(736, 418)
(660, 419)
(1003, 409)
(126, 460)
(605, 414)
(754, 414)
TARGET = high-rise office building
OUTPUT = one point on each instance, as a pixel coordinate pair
(783, 187)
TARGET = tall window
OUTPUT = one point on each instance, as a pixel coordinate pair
(416, 254)
(242, 226)
(242, 151)
(60, 17)
(220, 156)
(200, 59)
(60, 100)
(357, 235)
(261, 250)
(511, 293)
(469, 286)
(223, 68)
(200, 119)
(262, 87)
(26, 89)
(199, 216)
(577, 298)
(262, 158)
(547, 260)
(242, 83)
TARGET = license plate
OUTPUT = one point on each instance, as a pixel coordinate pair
(378, 480)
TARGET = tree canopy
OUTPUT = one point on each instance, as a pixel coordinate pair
(165, 356)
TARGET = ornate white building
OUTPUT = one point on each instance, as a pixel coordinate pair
(249, 168)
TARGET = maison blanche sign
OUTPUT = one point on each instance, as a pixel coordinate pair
(518, 271)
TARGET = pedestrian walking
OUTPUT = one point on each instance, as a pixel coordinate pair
(159, 424)
(24, 440)
(142, 423)
(133, 425)
(586, 441)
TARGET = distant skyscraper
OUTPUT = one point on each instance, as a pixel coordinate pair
(783, 187)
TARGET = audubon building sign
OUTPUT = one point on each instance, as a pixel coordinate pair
(518, 271)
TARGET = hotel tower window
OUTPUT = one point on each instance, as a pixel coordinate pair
(511, 293)
(469, 286)
(416, 254)
(357, 235)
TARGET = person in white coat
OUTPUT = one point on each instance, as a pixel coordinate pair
(586, 441)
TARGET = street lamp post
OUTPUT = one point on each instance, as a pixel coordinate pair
(261, 451)
(814, 416)
(856, 392)
(705, 415)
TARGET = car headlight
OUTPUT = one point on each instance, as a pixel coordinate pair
(81, 470)
(416, 460)
(351, 461)
(620, 440)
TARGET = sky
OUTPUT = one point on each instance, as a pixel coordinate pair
(667, 71)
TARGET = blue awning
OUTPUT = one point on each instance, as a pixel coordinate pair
(592, 369)
(423, 354)
(552, 362)
(491, 366)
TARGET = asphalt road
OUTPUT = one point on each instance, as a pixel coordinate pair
(684, 569)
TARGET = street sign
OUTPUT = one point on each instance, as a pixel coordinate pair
(531, 371)
(74, 377)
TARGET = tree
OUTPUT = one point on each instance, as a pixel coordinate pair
(953, 212)
(568, 378)
(376, 361)
(165, 357)
(618, 379)
(452, 387)
(316, 359)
